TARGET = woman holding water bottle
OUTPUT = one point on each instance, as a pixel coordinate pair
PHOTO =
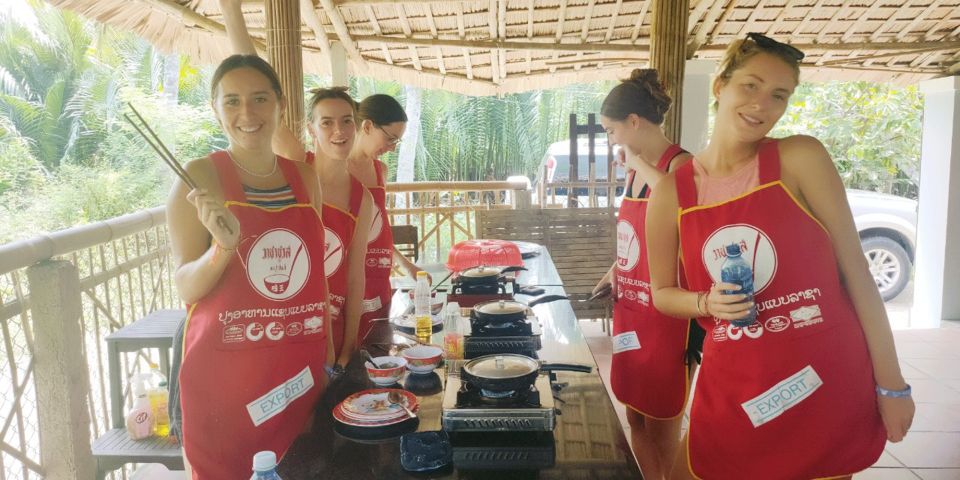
(810, 388)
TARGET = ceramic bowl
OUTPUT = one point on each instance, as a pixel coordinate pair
(386, 376)
(423, 358)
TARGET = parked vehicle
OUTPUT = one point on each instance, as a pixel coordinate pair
(887, 225)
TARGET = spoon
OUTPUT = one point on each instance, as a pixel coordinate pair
(365, 355)
(395, 398)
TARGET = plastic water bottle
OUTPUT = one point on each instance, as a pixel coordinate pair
(159, 396)
(265, 466)
(421, 307)
(736, 270)
(452, 336)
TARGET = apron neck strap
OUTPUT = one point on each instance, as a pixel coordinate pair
(229, 180)
(292, 175)
(356, 196)
(769, 158)
(686, 186)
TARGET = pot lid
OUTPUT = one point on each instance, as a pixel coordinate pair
(501, 366)
(480, 272)
(501, 307)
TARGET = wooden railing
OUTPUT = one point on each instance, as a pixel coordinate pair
(109, 274)
(445, 212)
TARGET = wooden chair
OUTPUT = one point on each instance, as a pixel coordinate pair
(407, 240)
(581, 241)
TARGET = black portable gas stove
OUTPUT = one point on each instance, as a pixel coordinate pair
(467, 408)
(522, 337)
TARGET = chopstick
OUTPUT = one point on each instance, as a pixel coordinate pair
(154, 141)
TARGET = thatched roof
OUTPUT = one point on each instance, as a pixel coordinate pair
(501, 46)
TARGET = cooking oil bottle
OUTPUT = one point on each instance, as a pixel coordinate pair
(159, 397)
(421, 307)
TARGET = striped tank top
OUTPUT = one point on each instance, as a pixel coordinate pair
(272, 198)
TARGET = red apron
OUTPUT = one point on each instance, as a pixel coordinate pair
(792, 396)
(339, 226)
(648, 372)
(376, 302)
(255, 346)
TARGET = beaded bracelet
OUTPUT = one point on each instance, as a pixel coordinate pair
(894, 393)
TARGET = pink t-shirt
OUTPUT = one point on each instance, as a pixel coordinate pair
(719, 189)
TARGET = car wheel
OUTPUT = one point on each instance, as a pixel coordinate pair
(889, 265)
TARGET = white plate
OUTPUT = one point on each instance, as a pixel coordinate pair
(408, 321)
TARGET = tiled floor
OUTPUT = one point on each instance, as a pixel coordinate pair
(930, 360)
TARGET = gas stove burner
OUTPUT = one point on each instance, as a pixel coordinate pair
(479, 328)
(493, 394)
(465, 408)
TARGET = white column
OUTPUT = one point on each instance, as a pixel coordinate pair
(696, 104)
(338, 65)
(937, 271)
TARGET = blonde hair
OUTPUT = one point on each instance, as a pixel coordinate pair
(742, 50)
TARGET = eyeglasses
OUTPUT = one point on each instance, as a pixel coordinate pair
(393, 139)
(768, 43)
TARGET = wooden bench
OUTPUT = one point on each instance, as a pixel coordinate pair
(115, 449)
(581, 241)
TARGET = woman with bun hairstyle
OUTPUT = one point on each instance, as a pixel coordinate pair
(248, 245)
(800, 381)
(650, 370)
(381, 124)
(348, 207)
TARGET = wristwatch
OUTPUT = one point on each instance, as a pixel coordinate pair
(334, 371)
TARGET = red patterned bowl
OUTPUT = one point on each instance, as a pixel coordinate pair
(423, 358)
(386, 376)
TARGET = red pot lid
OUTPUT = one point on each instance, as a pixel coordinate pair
(474, 253)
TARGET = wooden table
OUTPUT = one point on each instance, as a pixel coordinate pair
(589, 441)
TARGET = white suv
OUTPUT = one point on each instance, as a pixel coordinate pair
(887, 225)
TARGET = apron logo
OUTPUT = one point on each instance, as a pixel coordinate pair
(233, 334)
(376, 226)
(628, 246)
(806, 316)
(332, 252)
(277, 399)
(757, 250)
(372, 304)
(254, 331)
(294, 329)
(275, 331)
(734, 332)
(776, 324)
(782, 396)
(278, 264)
(312, 325)
(625, 342)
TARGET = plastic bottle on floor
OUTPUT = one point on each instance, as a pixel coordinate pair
(265, 466)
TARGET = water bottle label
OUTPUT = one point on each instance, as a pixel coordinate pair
(782, 396)
(277, 399)
(625, 342)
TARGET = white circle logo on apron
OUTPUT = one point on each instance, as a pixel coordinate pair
(756, 248)
(332, 252)
(278, 264)
(376, 226)
(628, 246)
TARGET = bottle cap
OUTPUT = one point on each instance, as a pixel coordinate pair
(421, 273)
(733, 250)
(264, 461)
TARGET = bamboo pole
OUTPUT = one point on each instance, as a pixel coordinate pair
(668, 56)
(286, 56)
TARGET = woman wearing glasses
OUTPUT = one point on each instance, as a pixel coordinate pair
(348, 208)
(381, 124)
(811, 388)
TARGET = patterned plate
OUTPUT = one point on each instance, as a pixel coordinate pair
(373, 404)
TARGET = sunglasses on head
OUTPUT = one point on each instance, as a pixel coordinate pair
(768, 43)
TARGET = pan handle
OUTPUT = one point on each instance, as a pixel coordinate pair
(566, 367)
(512, 269)
(546, 299)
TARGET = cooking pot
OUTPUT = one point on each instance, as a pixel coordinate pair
(509, 372)
(508, 311)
